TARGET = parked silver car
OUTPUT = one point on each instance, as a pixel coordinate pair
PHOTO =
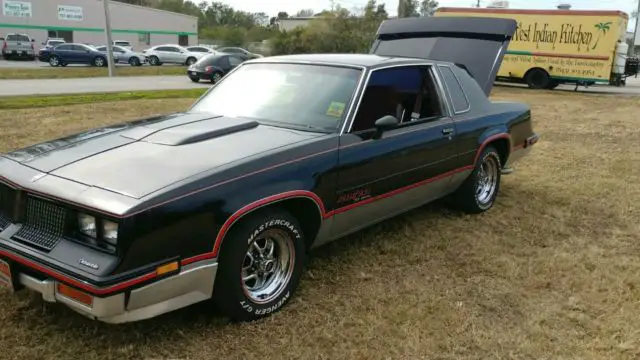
(172, 54)
(124, 55)
(18, 45)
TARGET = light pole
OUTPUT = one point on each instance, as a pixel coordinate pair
(107, 22)
(635, 29)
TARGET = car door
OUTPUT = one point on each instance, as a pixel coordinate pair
(64, 52)
(164, 54)
(120, 54)
(407, 165)
(179, 56)
(80, 54)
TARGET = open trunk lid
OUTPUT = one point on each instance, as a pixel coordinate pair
(477, 43)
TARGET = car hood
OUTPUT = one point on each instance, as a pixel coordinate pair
(138, 158)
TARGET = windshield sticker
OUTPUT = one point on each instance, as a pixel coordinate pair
(335, 109)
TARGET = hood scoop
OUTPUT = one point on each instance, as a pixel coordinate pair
(199, 131)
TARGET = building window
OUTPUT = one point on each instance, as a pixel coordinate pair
(63, 34)
(144, 38)
(183, 40)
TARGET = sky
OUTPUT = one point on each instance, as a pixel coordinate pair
(272, 7)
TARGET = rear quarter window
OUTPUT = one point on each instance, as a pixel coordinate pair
(18, 38)
(458, 97)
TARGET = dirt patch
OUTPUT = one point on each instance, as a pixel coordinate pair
(551, 272)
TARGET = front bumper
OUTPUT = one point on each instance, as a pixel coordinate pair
(192, 284)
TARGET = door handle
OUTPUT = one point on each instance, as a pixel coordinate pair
(447, 131)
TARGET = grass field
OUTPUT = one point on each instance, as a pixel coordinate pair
(551, 272)
(84, 72)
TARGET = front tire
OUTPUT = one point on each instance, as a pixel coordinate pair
(191, 61)
(134, 61)
(261, 262)
(154, 61)
(479, 191)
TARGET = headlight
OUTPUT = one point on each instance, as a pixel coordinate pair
(87, 225)
(110, 232)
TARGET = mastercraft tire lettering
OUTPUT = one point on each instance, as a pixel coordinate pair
(261, 261)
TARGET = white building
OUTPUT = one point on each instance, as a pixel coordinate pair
(82, 21)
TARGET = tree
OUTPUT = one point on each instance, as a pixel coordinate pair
(428, 7)
(407, 8)
(305, 13)
(375, 11)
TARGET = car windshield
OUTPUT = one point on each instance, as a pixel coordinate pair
(312, 97)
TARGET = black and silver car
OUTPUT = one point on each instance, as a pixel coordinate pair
(223, 201)
(213, 67)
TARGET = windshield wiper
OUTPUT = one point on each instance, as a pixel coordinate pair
(293, 125)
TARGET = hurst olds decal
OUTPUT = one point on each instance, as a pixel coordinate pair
(354, 196)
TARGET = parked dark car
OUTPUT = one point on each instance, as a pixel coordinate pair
(213, 67)
(72, 53)
(284, 154)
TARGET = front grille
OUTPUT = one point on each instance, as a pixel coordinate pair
(7, 202)
(44, 224)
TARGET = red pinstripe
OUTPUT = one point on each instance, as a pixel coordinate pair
(237, 215)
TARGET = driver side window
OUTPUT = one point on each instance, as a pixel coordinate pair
(409, 93)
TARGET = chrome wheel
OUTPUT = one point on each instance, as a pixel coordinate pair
(216, 77)
(268, 265)
(487, 180)
(53, 61)
(99, 62)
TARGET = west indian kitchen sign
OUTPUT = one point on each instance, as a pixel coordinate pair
(16, 8)
(572, 37)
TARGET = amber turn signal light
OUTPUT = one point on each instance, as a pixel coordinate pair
(76, 295)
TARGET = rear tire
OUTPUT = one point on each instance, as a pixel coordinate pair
(538, 79)
(99, 61)
(54, 61)
(261, 262)
(479, 191)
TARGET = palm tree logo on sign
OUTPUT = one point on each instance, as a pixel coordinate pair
(602, 30)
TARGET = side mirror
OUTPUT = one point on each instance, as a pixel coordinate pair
(33, 40)
(385, 123)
